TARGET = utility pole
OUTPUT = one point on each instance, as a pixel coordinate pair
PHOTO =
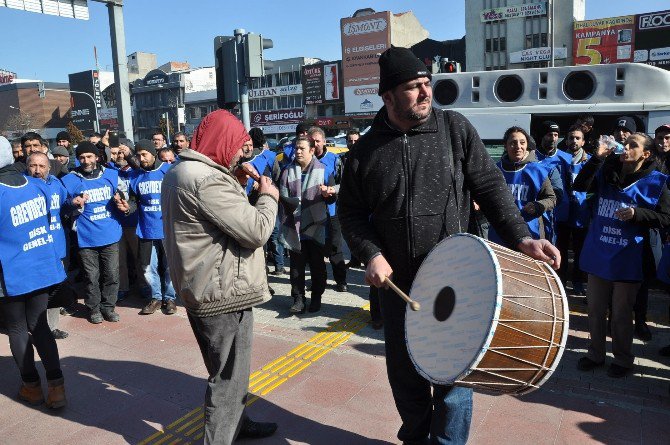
(119, 58)
(244, 85)
(551, 32)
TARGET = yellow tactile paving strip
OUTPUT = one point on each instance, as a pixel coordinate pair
(262, 382)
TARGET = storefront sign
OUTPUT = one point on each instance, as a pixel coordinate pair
(363, 40)
(6, 77)
(83, 111)
(604, 41)
(155, 79)
(515, 11)
(537, 55)
(293, 115)
(322, 83)
(275, 91)
(652, 39)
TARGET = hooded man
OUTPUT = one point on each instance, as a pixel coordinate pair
(214, 244)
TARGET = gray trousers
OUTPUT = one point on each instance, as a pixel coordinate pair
(101, 262)
(599, 293)
(225, 344)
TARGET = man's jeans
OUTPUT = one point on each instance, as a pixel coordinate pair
(156, 272)
(101, 276)
(225, 345)
(444, 416)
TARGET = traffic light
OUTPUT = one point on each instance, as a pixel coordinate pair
(449, 67)
(41, 91)
(227, 75)
(254, 63)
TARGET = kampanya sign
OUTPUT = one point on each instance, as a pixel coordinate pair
(514, 11)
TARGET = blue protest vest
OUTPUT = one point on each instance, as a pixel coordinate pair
(131, 219)
(562, 162)
(330, 159)
(147, 187)
(263, 163)
(525, 184)
(58, 196)
(613, 248)
(26, 244)
(98, 225)
(580, 212)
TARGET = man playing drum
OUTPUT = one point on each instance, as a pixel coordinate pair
(398, 199)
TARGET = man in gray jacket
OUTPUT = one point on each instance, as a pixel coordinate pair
(214, 244)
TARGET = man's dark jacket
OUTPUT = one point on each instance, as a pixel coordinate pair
(396, 193)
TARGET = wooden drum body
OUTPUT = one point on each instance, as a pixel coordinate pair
(490, 318)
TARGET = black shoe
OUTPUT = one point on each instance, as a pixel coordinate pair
(256, 430)
(586, 364)
(315, 304)
(642, 331)
(110, 316)
(664, 351)
(95, 317)
(279, 271)
(616, 372)
(68, 311)
(341, 287)
(59, 335)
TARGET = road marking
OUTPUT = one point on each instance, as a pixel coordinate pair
(271, 376)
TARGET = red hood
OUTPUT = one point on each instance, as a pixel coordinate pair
(219, 136)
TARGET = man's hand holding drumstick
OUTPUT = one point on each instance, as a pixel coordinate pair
(378, 273)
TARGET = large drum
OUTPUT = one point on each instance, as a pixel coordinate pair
(490, 317)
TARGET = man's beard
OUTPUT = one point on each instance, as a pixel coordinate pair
(415, 116)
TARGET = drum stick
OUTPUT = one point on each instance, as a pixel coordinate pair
(413, 304)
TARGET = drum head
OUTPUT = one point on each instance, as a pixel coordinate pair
(459, 287)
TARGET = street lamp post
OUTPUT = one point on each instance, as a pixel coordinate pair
(167, 113)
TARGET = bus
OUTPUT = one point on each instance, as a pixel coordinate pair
(496, 100)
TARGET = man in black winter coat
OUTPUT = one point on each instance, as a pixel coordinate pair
(397, 200)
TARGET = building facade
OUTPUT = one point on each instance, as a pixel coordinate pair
(509, 34)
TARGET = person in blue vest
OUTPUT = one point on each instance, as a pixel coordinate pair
(528, 180)
(123, 160)
(146, 184)
(333, 165)
(632, 197)
(27, 244)
(38, 167)
(572, 232)
(98, 229)
(261, 165)
(558, 163)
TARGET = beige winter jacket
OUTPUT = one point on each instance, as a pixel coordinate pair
(214, 238)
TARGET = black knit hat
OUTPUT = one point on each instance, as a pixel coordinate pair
(87, 147)
(302, 127)
(63, 136)
(550, 127)
(398, 65)
(146, 145)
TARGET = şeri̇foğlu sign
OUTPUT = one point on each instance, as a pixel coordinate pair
(514, 11)
(641, 38)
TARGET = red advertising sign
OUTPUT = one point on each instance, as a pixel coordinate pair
(363, 40)
(604, 41)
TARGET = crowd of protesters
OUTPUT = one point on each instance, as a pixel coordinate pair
(89, 218)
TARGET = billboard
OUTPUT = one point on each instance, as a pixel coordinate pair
(513, 12)
(537, 54)
(277, 117)
(74, 9)
(652, 39)
(6, 77)
(322, 83)
(363, 40)
(83, 111)
(604, 41)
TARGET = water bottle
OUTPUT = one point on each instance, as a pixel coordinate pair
(613, 145)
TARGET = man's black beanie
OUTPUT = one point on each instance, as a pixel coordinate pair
(398, 65)
(86, 147)
(63, 136)
(146, 145)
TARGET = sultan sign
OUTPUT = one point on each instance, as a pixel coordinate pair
(515, 11)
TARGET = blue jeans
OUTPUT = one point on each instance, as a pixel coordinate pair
(156, 272)
(441, 418)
